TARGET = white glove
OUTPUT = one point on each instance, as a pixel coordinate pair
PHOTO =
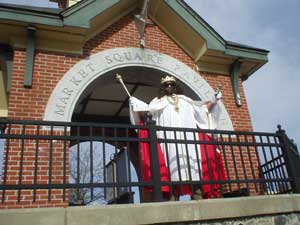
(218, 95)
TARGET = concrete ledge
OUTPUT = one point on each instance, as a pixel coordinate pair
(150, 213)
(46, 216)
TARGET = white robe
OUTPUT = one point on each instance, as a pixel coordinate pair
(190, 114)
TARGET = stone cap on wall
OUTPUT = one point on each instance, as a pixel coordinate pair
(153, 213)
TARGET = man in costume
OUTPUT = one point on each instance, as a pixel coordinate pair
(181, 162)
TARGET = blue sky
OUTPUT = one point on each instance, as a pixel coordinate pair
(273, 91)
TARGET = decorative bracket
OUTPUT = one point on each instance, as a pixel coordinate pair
(141, 22)
(235, 70)
(30, 49)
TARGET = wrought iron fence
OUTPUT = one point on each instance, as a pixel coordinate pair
(80, 163)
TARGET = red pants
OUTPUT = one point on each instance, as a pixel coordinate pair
(211, 162)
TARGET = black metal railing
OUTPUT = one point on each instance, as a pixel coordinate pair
(80, 163)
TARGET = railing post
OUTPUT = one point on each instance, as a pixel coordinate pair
(291, 158)
(154, 160)
(2, 125)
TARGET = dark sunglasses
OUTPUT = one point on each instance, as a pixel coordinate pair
(169, 84)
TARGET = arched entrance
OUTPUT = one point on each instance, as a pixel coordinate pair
(89, 92)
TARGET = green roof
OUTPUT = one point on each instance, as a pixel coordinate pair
(44, 10)
(80, 16)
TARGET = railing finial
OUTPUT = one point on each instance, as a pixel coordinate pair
(280, 129)
(148, 118)
(2, 126)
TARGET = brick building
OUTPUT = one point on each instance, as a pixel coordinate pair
(41, 47)
(60, 64)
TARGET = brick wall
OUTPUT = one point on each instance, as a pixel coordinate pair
(50, 67)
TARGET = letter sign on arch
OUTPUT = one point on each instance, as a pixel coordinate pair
(64, 97)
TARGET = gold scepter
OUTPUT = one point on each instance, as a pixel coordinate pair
(119, 78)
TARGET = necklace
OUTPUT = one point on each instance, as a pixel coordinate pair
(174, 101)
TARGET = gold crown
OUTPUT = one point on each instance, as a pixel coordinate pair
(167, 79)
